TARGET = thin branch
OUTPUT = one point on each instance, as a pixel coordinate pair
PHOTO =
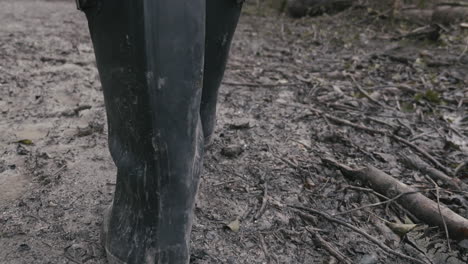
(258, 84)
(380, 203)
(459, 167)
(361, 90)
(440, 212)
(261, 211)
(416, 163)
(328, 247)
(384, 247)
(423, 208)
(383, 132)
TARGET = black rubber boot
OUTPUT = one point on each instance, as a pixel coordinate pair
(221, 21)
(150, 57)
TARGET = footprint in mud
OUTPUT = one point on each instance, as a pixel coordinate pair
(12, 185)
(13, 181)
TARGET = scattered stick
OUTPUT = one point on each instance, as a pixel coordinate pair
(261, 211)
(389, 200)
(422, 152)
(440, 213)
(357, 188)
(384, 247)
(408, 213)
(348, 123)
(264, 248)
(258, 84)
(463, 52)
(403, 87)
(287, 162)
(224, 182)
(59, 170)
(422, 207)
(361, 90)
(416, 163)
(80, 108)
(383, 132)
(384, 123)
(413, 138)
(459, 167)
(328, 247)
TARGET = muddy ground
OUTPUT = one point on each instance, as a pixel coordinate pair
(56, 175)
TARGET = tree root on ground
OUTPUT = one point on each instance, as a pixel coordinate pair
(422, 207)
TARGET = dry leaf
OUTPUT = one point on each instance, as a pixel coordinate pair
(25, 141)
(234, 225)
(401, 229)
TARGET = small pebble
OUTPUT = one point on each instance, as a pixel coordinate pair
(232, 151)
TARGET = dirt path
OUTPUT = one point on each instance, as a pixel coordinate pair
(268, 146)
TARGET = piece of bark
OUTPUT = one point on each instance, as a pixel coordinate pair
(422, 207)
(416, 163)
(420, 16)
(431, 32)
(450, 14)
(301, 8)
(438, 12)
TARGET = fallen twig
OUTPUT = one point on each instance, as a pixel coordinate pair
(383, 132)
(265, 249)
(418, 164)
(264, 202)
(328, 247)
(422, 152)
(287, 162)
(361, 90)
(463, 52)
(422, 207)
(224, 182)
(389, 200)
(403, 87)
(384, 247)
(408, 213)
(59, 170)
(258, 84)
(348, 123)
(440, 213)
(459, 167)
